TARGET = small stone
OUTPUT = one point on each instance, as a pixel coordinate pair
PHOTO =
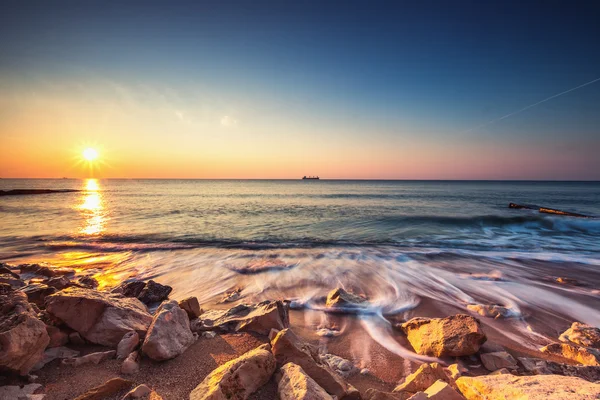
(154, 293)
(567, 281)
(231, 296)
(209, 334)
(138, 392)
(340, 365)
(582, 355)
(58, 282)
(342, 300)
(455, 371)
(191, 306)
(497, 360)
(491, 311)
(92, 358)
(295, 384)
(425, 376)
(129, 342)
(54, 353)
(88, 282)
(131, 364)
(582, 334)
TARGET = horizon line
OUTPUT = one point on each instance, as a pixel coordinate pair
(320, 179)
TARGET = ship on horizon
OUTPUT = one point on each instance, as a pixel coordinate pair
(310, 177)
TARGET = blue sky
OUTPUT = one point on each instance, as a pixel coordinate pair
(371, 82)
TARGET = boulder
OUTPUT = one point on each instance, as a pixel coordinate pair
(294, 384)
(191, 306)
(490, 310)
(54, 353)
(441, 390)
(88, 282)
(341, 300)
(38, 292)
(99, 317)
(582, 334)
(23, 337)
(454, 336)
(343, 367)
(58, 282)
(129, 342)
(130, 289)
(259, 318)
(169, 334)
(154, 293)
(109, 388)
(497, 360)
(537, 387)
(131, 364)
(582, 355)
(45, 270)
(238, 378)
(425, 376)
(544, 367)
(57, 336)
(11, 280)
(287, 347)
(92, 358)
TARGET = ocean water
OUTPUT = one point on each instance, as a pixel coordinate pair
(402, 244)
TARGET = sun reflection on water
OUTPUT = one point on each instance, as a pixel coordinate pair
(92, 208)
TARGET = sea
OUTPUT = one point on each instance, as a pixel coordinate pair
(403, 245)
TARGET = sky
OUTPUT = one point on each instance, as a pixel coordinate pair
(352, 90)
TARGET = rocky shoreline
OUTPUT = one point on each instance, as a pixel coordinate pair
(61, 337)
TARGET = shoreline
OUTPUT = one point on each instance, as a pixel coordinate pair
(370, 344)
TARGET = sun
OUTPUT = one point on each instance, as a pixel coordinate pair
(90, 154)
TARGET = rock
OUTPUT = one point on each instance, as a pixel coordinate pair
(295, 384)
(154, 293)
(491, 310)
(130, 289)
(131, 365)
(88, 282)
(209, 334)
(537, 387)
(129, 342)
(45, 270)
(75, 338)
(455, 371)
(582, 355)
(497, 360)
(107, 389)
(141, 391)
(374, 394)
(231, 296)
(5, 289)
(582, 334)
(99, 317)
(11, 280)
(191, 306)
(169, 334)
(543, 367)
(54, 353)
(238, 378)
(454, 336)
(567, 281)
(58, 282)
(17, 392)
(341, 300)
(5, 269)
(259, 318)
(57, 336)
(441, 390)
(425, 376)
(23, 337)
(501, 371)
(340, 365)
(287, 347)
(38, 292)
(92, 358)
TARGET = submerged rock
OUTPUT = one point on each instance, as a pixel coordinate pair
(454, 336)
(169, 334)
(99, 317)
(425, 376)
(127, 344)
(341, 300)
(287, 347)
(582, 355)
(259, 318)
(106, 390)
(491, 310)
(154, 292)
(582, 334)
(238, 378)
(23, 337)
(191, 306)
(340, 365)
(295, 384)
(497, 360)
(537, 387)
